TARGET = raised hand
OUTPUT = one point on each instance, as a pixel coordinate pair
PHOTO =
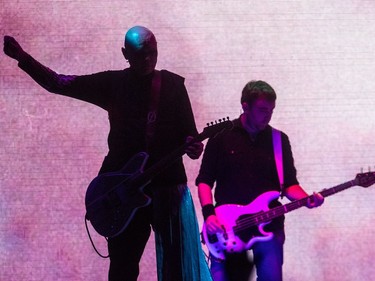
(12, 48)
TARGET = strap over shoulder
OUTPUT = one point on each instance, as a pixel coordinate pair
(153, 106)
(278, 152)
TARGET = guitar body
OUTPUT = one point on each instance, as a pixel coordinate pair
(113, 198)
(238, 238)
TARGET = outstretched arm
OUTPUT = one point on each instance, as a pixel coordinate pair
(45, 77)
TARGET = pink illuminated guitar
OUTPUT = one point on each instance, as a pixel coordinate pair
(244, 225)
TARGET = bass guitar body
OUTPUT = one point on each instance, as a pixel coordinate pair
(237, 236)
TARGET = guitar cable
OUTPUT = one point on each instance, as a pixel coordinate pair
(92, 242)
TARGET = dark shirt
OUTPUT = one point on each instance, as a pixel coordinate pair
(126, 97)
(243, 168)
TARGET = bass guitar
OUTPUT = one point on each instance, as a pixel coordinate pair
(244, 225)
(112, 199)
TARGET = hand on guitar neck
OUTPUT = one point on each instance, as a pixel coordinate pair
(195, 148)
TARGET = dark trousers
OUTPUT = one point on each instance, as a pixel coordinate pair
(126, 249)
(268, 261)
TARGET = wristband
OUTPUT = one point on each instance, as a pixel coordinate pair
(208, 210)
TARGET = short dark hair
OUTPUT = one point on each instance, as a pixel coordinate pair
(255, 89)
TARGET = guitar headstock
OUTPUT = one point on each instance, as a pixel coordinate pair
(215, 128)
(365, 179)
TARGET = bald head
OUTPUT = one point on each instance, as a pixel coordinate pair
(140, 50)
(137, 37)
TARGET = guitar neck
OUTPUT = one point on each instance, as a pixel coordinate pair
(280, 210)
(211, 130)
(158, 167)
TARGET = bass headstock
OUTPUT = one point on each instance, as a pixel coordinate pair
(365, 179)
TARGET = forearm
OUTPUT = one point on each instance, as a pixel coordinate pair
(45, 77)
(295, 192)
(206, 200)
(205, 194)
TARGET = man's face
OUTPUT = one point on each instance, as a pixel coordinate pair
(143, 60)
(259, 114)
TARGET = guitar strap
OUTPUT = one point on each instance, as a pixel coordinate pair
(278, 152)
(153, 107)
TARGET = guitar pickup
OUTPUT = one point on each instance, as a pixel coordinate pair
(212, 238)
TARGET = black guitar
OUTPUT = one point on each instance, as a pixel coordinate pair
(113, 198)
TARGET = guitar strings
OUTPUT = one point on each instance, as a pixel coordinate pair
(262, 217)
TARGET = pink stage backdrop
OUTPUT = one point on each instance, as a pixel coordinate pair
(319, 56)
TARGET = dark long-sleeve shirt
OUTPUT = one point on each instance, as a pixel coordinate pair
(126, 97)
(241, 169)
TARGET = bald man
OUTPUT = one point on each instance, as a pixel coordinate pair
(149, 111)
